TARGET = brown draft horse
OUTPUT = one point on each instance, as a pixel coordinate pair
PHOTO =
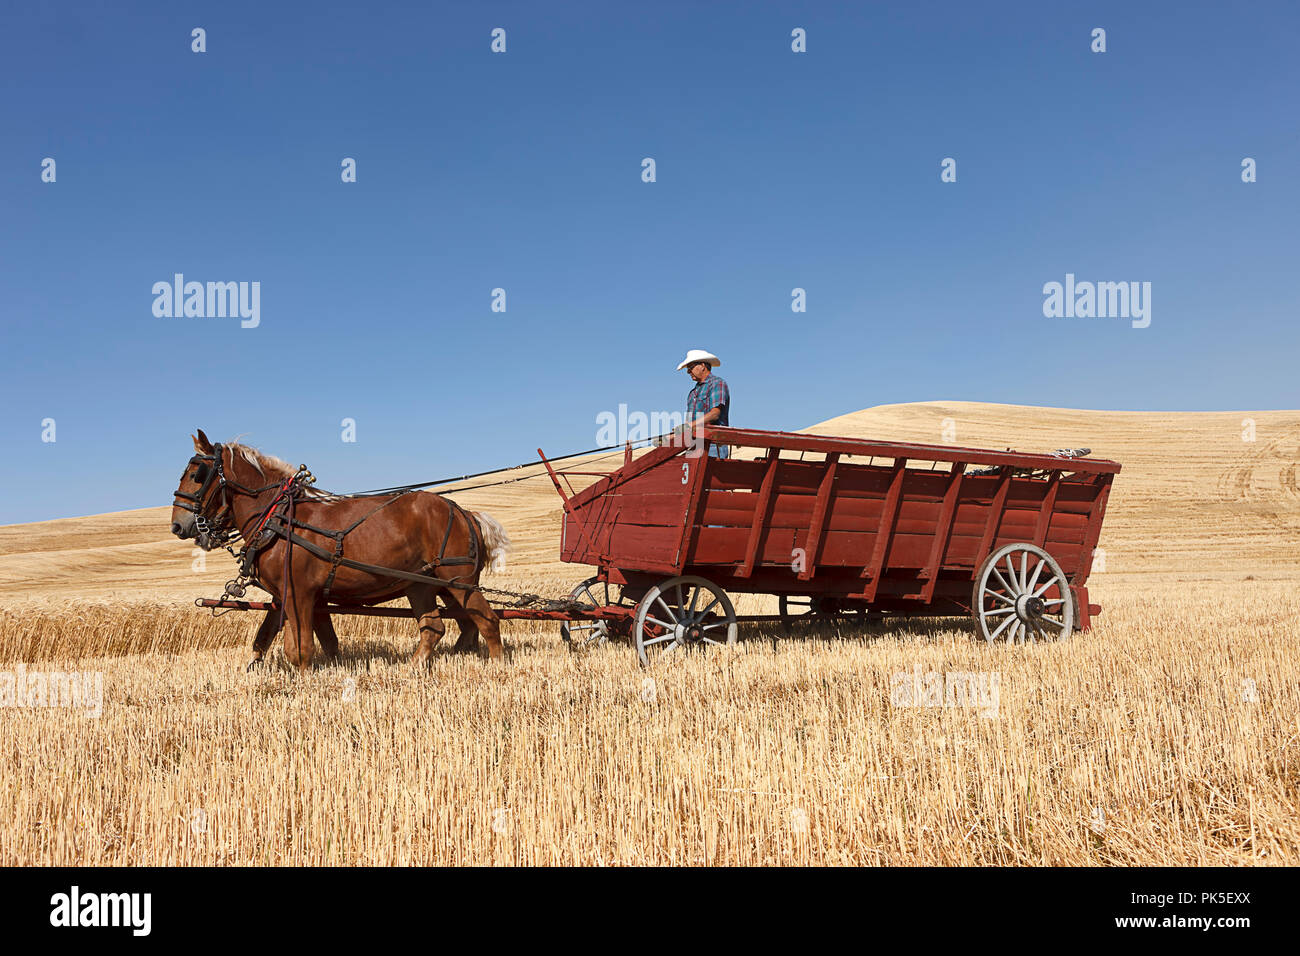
(234, 487)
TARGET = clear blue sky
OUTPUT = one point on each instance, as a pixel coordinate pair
(775, 170)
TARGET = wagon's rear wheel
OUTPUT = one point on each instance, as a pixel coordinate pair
(680, 613)
(1021, 595)
(584, 632)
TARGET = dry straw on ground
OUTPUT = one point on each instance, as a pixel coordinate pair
(1169, 735)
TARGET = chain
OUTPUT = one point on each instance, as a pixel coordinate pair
(536, 601)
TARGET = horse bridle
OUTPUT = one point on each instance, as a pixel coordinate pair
(209, 471)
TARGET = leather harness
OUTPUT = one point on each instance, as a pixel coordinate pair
(278, 521)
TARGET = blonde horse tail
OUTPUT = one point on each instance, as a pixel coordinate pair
(495, 540)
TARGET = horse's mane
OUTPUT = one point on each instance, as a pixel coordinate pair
(270, 467)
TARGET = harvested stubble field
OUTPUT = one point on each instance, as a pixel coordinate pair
(1168, 735)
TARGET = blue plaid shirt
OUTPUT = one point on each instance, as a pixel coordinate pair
(704, 397)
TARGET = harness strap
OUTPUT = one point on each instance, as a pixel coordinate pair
(278, 524)
(374, 569)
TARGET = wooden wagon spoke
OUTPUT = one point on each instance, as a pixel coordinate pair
(659, 623)
(659, 640)
(1033, 581)
(1002, 627)
(1043, 590)
(1003, 581)
(1011, 569)
(660, 601)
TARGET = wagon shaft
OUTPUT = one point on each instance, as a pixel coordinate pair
(509, 613)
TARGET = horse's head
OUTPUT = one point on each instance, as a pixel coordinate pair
(200, 509)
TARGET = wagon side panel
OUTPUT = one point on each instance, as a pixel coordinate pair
(638, 525)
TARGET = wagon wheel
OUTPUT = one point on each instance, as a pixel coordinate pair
(683, 612)
(1022, 594)
(585, 632)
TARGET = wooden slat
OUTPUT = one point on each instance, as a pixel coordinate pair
(691, 519)
(817, 526)
(888, 515)
(1045, 512)
(1093, 534)
(866, 448)
(942, 531)
(996, 508)
(652, 458)
(762, 510)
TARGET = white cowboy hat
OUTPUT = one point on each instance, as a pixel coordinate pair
(699, 355)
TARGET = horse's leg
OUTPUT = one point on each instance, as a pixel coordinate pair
(266, 632)
(483, 618)
(299, 646)
(468, 641)
(324, 628)
(424, 605)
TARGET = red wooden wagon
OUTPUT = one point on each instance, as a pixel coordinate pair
(832, 526)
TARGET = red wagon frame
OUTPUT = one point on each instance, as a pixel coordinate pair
(859, 527)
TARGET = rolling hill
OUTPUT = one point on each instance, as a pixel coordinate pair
(1200, 498)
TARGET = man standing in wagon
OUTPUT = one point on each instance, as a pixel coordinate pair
(709, 402)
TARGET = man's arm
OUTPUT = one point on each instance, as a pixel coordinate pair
(709, 417)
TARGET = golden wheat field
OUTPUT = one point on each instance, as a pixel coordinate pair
(1169, 734)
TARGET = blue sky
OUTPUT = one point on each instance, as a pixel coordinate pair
(522, 171)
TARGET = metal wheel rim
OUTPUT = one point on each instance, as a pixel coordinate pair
(671, 609)
(1003, 600)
